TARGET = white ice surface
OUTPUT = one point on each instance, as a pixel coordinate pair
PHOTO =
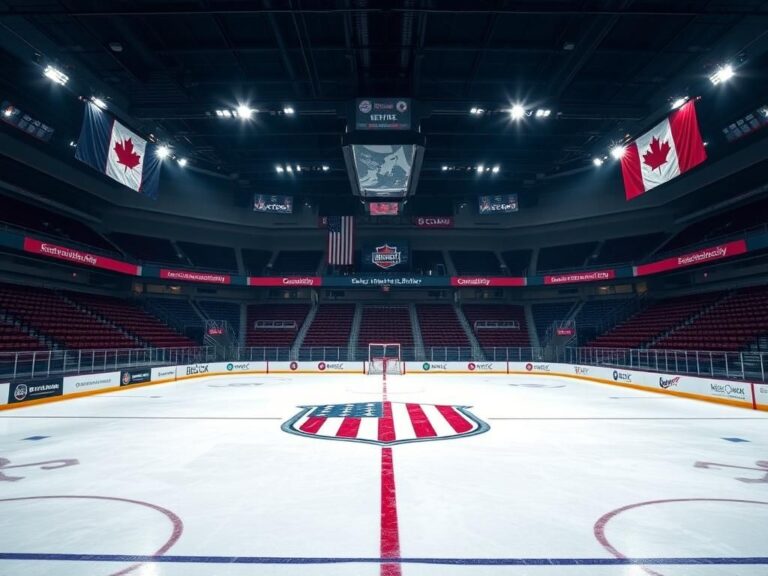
(559, 455)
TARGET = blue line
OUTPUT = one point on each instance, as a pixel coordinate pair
(448, 561)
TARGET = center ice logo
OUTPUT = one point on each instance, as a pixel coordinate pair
(385, 423)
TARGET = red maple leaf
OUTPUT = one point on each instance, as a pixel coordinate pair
(657, 153)
(125, 154)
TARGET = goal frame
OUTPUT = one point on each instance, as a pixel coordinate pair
(384, 357)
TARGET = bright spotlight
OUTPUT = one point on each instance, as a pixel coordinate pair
(543, 112)
(99, 102)
(517, 112)
(163, 152)
(618, 152)
(722, 74)
(220, 113)
(444, 168)
(480, 167)
(279, 169)
(496, 169)
(597, 161)
(326, 168)
(289, 111)
(55, 75)
(244, 112)
(8, 111)
(73, 144)
(288, 168)
(677, 102)
(182, 162)
(226, 113)
(298, 168)
(473, 110)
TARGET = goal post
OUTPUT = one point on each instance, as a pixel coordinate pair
(384, 358)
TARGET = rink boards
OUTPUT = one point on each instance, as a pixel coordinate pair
(742, 394)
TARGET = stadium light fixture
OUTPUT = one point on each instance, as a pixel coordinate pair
(722, 74)
(444, 168)
(298, 167)
(480, 168)
(73, 143)
(543, 112)
(475, 111)
(496, 169)
(279, 169)
(289, 111)
(99, 102)
(244, 112)
(8, 111)
(326, 168)
(163, 152)
(517, 112)
(677, 102)
(56, 75)
(288, 168)
(597, 161)
(182, 162)
(618, 152)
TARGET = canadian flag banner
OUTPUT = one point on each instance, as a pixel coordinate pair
(113, 149)
(667, 150)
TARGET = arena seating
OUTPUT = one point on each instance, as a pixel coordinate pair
(545, 314)
(133, 319)
(490, 338)
(517, 261)
(721, 224)
(17, 213)
(217, 310)
(658, 318)
(475, 263)
(569, 256)
(210, 257)
(427, 262)
(15, 339)
(386, 324)
(331, 326)
(256, 261)
(730, 325)
(627, 249)
(280, 337)
(148, 249)
(50, 314)
(440, 326)
(303, 262)
(178, 310)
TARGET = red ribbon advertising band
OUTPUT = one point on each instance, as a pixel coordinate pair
(486, 281)
(572, 277)
(190, 276)
(286, 281)
(708, 254)
(34, 246)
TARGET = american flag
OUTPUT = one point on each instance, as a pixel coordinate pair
(385, 423)
(340, 240)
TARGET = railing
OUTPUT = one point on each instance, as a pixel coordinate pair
(731, 365)
(263, 353)
(20, 365)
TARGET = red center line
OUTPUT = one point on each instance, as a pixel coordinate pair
(390, 530)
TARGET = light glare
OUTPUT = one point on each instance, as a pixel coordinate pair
(722, 74)
(163, 152)
(55, 75)
(517, 112)
(618, 152)
(289, 111)
(597, 161)
(99, 102)
(677, 102)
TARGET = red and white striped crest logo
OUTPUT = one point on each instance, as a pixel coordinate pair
(385, 423)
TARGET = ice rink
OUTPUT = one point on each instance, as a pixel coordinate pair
(536, 476)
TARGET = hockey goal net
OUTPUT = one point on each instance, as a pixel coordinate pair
(384, 358)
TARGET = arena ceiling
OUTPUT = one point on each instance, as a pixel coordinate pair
(604, 68)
